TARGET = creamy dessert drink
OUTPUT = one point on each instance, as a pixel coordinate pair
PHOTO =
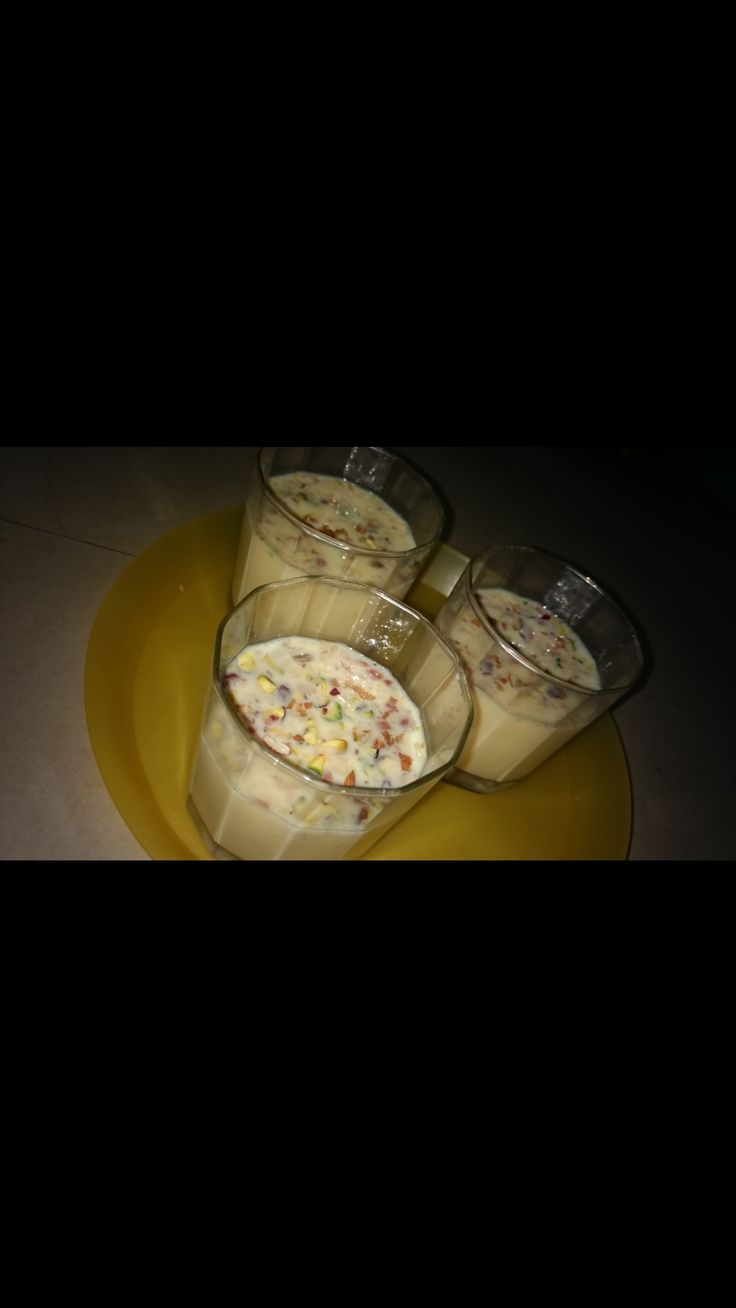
(546, 650)
(333, 708)
(344, 511)
(333, 507)
(329, 710)
(338, 717)
(520, 717)
(309, 522)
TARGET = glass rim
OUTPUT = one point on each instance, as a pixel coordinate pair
(515, 653)
(332, 540)
(331, 787)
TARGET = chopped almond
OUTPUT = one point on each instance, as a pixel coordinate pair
(364, 694)
(278, 746)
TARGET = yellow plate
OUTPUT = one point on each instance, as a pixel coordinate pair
(146, 675)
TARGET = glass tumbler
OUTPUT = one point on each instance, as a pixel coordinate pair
(546, 651)
(277, 543)
(250, 802)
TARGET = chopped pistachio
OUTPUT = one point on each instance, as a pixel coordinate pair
(246, 660)
(334, 712)
(266, 684)
(338, 744)
(318, 764)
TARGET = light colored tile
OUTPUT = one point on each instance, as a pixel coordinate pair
(120, 497)
(53, 802)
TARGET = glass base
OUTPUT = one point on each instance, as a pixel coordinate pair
(479, 785)
(213, 849)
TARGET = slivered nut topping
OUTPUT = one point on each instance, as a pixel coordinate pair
(279, 746)
(336, 713)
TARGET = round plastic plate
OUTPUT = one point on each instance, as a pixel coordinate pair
(146, 680)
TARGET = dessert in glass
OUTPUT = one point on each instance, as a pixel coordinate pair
(355, 512)
(546, 651)
(333, 709)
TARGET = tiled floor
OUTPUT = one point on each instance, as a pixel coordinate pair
(71, 520)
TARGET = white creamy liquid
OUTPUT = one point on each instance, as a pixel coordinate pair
(274, 549)
(333, 713)
(520, 718)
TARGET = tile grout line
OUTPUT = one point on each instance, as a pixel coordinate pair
(62, 536)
